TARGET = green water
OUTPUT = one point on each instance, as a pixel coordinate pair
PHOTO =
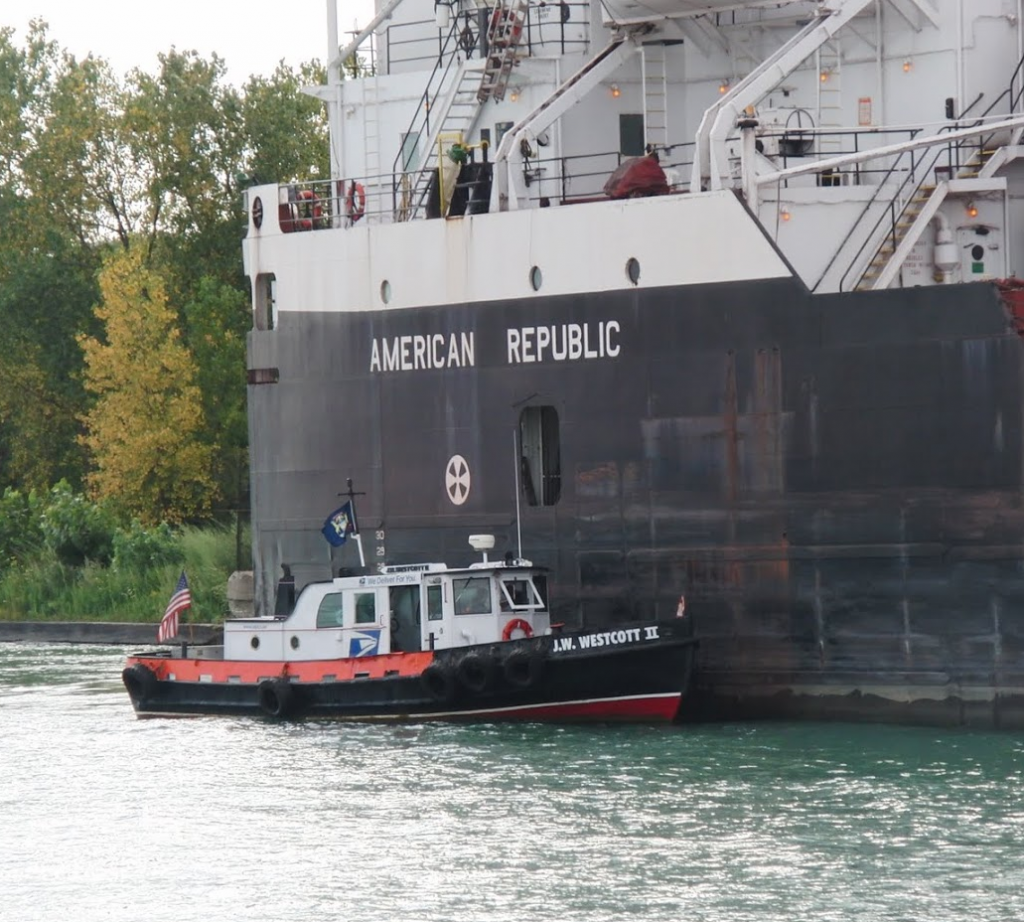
(106, 817)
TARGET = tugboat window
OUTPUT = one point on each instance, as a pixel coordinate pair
(366, 607)
(540, 458)
(329, 612)
(434, 609)
(472, 595)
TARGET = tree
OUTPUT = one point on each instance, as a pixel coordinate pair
(143, 431)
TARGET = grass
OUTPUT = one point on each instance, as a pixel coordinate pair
(46, 589)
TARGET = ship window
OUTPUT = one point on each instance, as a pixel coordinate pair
(631, 134)
(540, 458)
(329, 612)
(472, 595)
(434, 610)
(264, 301)
(366, 607)
(515, 593)
(501, 129)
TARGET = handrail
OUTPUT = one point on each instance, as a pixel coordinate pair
(422, 113)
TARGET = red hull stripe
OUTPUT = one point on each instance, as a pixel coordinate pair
(660, 707)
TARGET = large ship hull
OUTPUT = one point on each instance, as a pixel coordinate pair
(833, 482)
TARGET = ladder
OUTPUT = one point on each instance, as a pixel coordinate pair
(830, 97)
(371, 145)
(504, 34)
(655, 80)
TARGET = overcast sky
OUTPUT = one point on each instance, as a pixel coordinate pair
(251, 36)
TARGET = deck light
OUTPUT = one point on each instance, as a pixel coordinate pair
(615, 91)
(907, 66)
(723, 87)
(972, 210)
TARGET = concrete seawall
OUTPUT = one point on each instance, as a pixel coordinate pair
(97, 632)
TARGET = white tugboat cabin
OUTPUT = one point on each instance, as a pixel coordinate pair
(402, 609)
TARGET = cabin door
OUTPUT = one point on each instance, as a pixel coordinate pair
(437, 624)
(404, 603)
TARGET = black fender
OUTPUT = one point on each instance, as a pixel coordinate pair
(476, 672)
(523, 668)
(275, 697)
(140, 681)
(438, 681)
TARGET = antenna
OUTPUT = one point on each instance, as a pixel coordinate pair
(515, 470)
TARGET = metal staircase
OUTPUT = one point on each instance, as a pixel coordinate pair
(915, 218)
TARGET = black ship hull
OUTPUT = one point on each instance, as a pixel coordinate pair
(834, 483)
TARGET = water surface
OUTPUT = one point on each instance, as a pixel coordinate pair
(107, 818)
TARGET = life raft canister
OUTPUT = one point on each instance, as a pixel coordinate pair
(517, 624)
(355, 203)
(309, 209)
(506, 28)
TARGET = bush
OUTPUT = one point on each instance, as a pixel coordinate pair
(77, 530)
(139, 549)
(20, 532)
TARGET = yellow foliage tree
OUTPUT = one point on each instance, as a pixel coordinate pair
(143, 430)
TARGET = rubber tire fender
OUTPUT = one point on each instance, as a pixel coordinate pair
(523, 668)
(476, 672)
(275, 697)
(140, 681)
(438, 682)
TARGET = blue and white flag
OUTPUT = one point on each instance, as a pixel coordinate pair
(339, 525)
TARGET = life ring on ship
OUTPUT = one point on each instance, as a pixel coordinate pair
(475, 672)
(355, 201)
(438, 682)
(517, 624)
(523, 668)
(310, 210)
(274, 697)
(140, 681)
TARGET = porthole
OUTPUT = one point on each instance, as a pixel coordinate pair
(255, 643)
(385, 291)
(633, 270)
(536, 278)
(295, 642)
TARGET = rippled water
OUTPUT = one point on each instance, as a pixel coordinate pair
(105, 818)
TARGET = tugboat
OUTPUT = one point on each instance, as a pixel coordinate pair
(424, 642)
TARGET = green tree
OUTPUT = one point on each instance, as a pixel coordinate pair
(144, 429)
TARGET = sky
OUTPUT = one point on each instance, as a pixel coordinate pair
(252, 37)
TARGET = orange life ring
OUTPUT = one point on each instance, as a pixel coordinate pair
(355, 203)
(516, 624)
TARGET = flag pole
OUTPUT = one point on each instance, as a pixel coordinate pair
(351, 494)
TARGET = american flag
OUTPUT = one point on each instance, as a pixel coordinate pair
(180, 600)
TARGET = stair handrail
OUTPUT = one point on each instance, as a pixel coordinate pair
(900, 193)
(420, 121)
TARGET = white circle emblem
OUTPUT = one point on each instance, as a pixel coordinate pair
(456, 479)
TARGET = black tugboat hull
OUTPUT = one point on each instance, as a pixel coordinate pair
(633, 676)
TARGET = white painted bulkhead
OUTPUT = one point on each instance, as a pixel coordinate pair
(677, 240)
